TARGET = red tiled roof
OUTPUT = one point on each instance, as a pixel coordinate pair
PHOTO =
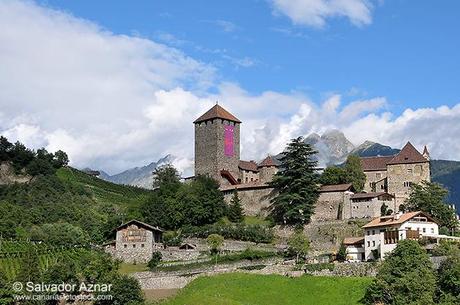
(391, 220)
(409, 154)
(353, 240)
(368, 195)
(248, 165)
(141, 224)
(375, 163)
(269, 161)
(217, 112)
(335, 188)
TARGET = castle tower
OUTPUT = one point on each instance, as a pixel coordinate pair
(425, 153)
(217, 145)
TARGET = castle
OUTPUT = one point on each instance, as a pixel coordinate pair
(217, 154)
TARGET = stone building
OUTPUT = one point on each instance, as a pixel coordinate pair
(331, 201)
(136, 241)
(368, 205)
(395, 174)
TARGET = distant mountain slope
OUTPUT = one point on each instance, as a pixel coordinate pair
(371, 149)
(138, 176)
(447, 173)
(332, 146)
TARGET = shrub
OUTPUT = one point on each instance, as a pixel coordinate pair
(215, 242)
(254, 233)
(155, 260)
(172, 238)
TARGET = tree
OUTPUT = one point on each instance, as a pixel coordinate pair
(354, 172)
(5, 149)
(155, 260)
(167, 178)
(215, 243)
(201, 202)
(235, 210)
(333, 175)
(429, 197)
(405, 277)
(296, 185)
(449, 275)
(126, 290)
(385, 211)
(342, 253)
(298, 244)
(60, 159)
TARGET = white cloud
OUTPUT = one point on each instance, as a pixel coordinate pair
(115, 101)
(315, 12)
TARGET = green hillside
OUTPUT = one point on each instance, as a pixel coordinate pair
(447, 173)
(67, 207)
(240, 288)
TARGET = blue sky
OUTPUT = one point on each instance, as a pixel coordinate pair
(409, 53)
(117, 84)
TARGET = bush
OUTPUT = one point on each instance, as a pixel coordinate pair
(155, 260)
(172, 238)
(254, 233)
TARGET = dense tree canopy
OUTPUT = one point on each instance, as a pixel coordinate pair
(430, 197)
(405, 277)
(352, 172)
(295, 184)
(25, 160)
(174, 204)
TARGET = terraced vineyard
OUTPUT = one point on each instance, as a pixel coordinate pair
(13, 252)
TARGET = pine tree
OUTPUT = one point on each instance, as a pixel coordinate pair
(235, 210)
(296, 185)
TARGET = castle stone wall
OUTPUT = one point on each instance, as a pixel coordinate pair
(266, 173)
(329, 206)
(372, 177)
(401, 175)
(255, 202)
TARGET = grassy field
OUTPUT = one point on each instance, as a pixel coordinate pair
(240, 288)
(126, 268)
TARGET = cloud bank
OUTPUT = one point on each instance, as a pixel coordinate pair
(115, 101)
(315, 12)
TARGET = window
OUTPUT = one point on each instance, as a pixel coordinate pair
(424, 230)
(409, 170)
(134, 245)
(373, 232)
(432, 230)
(368, 232)
(247, 179)
(373, 243)
(126, 246)
(382, 187)
(407, 184)
(142, 245)
(368, 243)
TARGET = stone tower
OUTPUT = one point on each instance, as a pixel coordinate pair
(217, 145)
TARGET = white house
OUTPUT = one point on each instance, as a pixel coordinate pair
(382, 234)
(355, 248)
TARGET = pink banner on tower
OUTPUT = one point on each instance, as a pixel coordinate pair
(228, 141)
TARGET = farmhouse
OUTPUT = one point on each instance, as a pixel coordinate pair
(136, 241)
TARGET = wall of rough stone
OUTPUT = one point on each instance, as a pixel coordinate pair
(330, 205)
(266, 173)
(249, 176)
(372, 177)
(366, 209)
(135, 251)
(255, 201)
(209, 149)
(399, 174)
